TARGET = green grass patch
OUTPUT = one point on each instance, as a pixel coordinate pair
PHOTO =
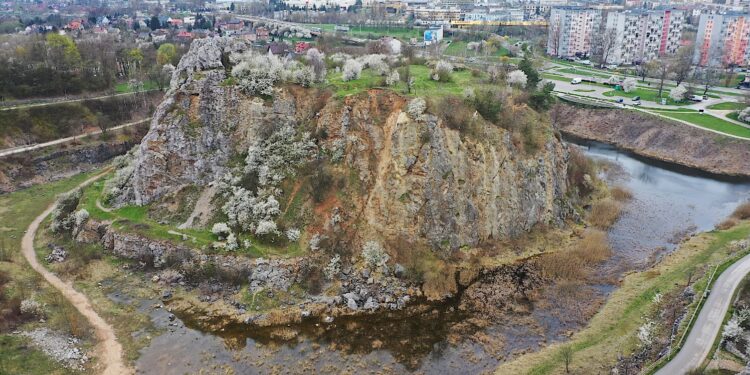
(647, 95)
(711, 122)
(423, 84)
(613, 329)
(17, 356)
(124, 87)
(728, 106)
(458, 48)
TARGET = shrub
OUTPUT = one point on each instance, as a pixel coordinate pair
(742, 212)
(604, 213)
(352, 70)
(442, 71)
(726, 224)
(489, 103)
(293, 234)
(416, 108)
(63, 218)
(517, 78)
(620, 194)
(542, 100)
(333, 268)
(320, 184)
(374, 254)
(392, 78)
(317, 61)
(232, 244)
(580, 170)
(221, 230)
(455, 113)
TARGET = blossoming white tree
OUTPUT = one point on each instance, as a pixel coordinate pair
(352, 70)
(517, 78)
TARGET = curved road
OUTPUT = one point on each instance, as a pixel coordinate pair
(110, 351)
(708, 324)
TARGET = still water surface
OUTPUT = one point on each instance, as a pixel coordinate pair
(667, 203)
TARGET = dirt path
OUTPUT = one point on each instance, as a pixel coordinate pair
(21, 149)
(109, 350)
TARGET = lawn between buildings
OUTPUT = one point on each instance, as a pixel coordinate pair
(612, 331)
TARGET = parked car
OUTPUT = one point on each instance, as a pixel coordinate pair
(636, 102)
(620, 100)
(636, 99)
(611, 67)
(585, 62)
(698, 98)
(575, 81)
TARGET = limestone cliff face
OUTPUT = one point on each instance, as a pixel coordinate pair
(403, 177)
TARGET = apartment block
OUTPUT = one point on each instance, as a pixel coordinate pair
(722, 40)
(571, 30)
(643, 35)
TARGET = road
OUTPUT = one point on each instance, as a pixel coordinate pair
(708, 324)
(109, 349)
(22, 149)
(42, 104)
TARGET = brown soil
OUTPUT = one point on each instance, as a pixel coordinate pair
(657, 138)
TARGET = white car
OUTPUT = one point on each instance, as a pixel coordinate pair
(575, 81)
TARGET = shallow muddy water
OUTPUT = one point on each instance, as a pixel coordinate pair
(666, 204)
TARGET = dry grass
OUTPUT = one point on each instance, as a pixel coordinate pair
(604, 213)
(727, 224)
(575, 263)
(620, 194)
(742, 212)
(439, 282)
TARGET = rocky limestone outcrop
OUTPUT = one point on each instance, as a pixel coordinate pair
(419, 179)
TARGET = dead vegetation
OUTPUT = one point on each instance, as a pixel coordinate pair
(576, 262)
(604, 213)
(620, 194)
(742, 212)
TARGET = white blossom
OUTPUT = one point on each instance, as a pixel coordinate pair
(678, 93)
(373, 254)
(292, 234)
(416, 108)
(232, 244)
(629, 84)
(645, 333)
(352, 70)
(392, 78)
(333, 268)
(221, 230)
(517, 78)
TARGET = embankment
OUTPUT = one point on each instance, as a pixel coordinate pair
(656, 138)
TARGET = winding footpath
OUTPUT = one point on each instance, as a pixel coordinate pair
(708, 324)
(110, 351)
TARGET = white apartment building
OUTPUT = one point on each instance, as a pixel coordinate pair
(643, 35)
(571, 31)
(723, 39)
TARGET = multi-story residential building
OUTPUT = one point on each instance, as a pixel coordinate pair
(642, 35)
(489, 14)
(722, 40)
(571, 31)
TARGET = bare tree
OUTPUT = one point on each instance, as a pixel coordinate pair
(660, 70)
(707, 77)
(567, 356)
(554, 38)
(642, 70)
(602, 46)
(682, 63)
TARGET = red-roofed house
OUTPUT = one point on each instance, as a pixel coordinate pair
(301, 47)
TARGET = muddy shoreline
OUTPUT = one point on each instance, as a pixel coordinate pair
(684, 149)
